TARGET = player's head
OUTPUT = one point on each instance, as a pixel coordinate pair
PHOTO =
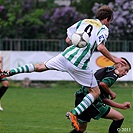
(122, 69)
(105, 14)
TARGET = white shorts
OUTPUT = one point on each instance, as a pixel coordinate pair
(83, 77)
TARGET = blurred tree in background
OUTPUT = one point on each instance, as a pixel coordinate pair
(22, 19)
(33, 19)
(85, 6)
(122, 25)
(58, 20)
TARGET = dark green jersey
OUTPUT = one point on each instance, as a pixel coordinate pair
(106, 75)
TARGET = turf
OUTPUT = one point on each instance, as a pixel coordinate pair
(42, 110)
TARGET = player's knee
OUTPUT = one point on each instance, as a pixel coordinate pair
(40, 67)
(120, 117)
(95, 92)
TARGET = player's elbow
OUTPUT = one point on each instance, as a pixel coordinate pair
(102, 85)
(68, 41)
(100, 47)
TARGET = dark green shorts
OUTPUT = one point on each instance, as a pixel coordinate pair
(96, 111)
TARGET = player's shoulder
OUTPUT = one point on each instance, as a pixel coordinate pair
(110, 68)
(94, 22)
(104, 29)
(102, 70)
(105, 71)
(111, 72)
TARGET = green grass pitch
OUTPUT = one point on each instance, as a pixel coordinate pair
(42, 110)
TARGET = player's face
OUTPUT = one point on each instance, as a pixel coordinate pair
(107, 22)
(123, 70)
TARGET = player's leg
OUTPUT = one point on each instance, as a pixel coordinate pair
(75, 131)
(22, 69)
(3, 89)
(87, 100)
(28, 68)
(54, 63)
(85, 78)
(82, 127)
(82, 106)
(117, 118)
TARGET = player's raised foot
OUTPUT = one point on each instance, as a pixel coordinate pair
(73, 120)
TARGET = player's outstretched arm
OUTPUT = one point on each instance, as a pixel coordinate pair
(107, 54)
(112, 103)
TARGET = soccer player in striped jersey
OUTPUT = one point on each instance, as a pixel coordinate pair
(106, 77)
(75, 61)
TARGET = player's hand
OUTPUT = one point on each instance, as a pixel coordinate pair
(120, 60)
(112, 95)
(126, 105)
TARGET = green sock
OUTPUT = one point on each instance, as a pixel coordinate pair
(86, 102)
(22, 69)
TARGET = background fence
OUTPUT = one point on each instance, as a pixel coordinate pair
(56, 45)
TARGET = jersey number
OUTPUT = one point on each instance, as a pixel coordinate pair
(88, 29)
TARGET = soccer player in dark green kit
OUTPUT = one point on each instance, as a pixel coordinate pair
(106, 77)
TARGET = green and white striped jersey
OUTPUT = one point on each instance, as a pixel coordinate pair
(98, 34)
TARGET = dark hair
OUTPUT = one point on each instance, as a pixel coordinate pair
(104, 12)
(127, 62)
